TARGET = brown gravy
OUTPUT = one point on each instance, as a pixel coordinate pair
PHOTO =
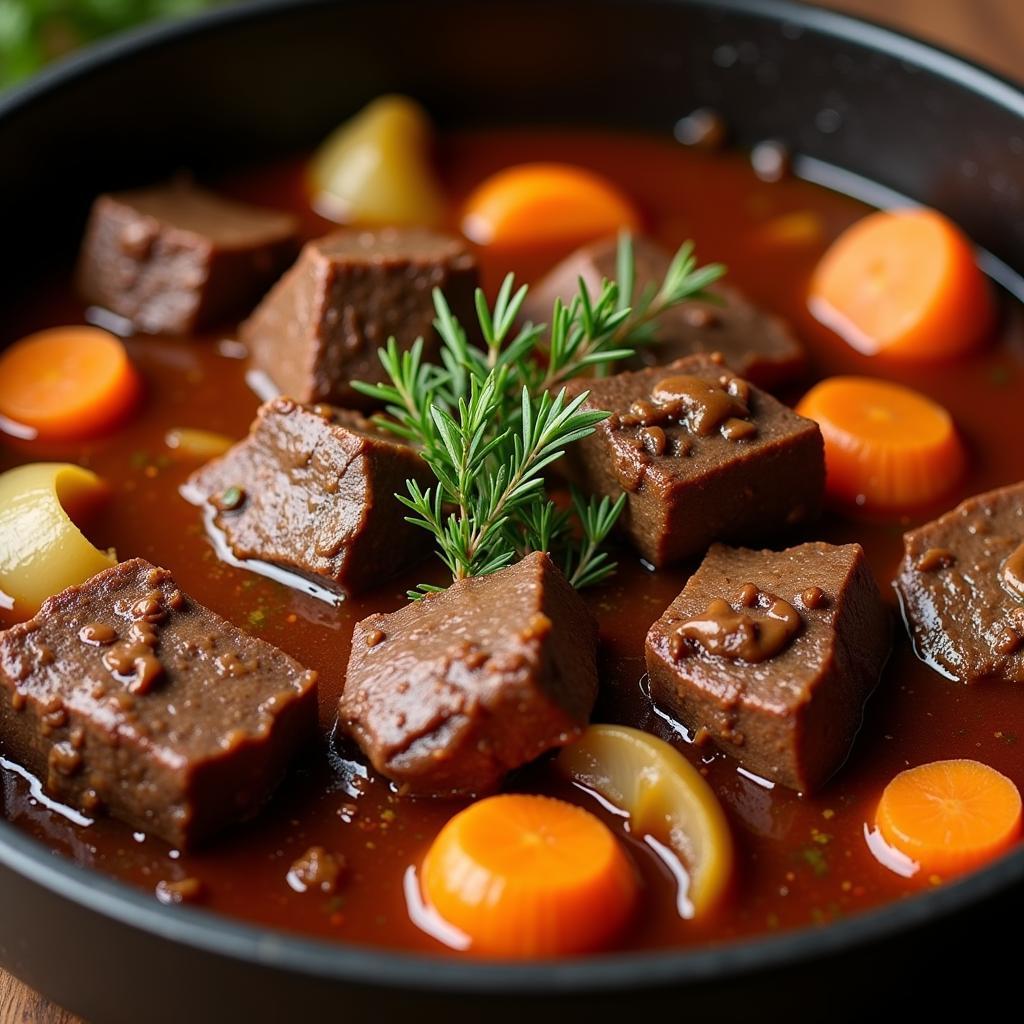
(801, 861)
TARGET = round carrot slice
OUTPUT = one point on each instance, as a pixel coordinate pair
(545, 204)
(950, 816)
(529, 876)
(67, 383)
(886, 446)
(904, 283)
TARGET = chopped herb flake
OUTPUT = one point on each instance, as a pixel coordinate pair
(230, 499)
(815, 859)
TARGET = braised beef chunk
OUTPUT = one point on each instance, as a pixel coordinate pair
(757, 345)
(774, 653)
(124, 694)
(961, 585)
(702, 455)
(312, 489)
(322, 324)
(449, 694)
(175, 258)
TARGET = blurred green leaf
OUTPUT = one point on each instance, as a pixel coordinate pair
(33, 32)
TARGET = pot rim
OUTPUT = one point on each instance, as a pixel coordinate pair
(370, 965)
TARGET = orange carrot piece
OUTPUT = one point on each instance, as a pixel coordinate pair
(529, 876)
(904, 283)
(950, 816)
(546, 204)
(67, 383)
(886, 446)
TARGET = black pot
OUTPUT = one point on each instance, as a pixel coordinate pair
(862, 107)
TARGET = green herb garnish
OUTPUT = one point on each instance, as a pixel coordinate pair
(815, 860)
(685, 281)
(33, 32)
(489, 420)
(230, 499)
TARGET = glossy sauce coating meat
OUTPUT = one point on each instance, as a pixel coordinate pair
(774, 653)
(451, 693)
(961, 584)
(312, 489)
(702, 456)
(124, 694)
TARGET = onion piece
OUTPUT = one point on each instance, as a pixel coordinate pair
(665, 797)
(375, 169)
(42, 552)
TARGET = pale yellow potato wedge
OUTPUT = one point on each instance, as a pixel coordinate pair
(375, 169)
(42, 552)
(665, 798)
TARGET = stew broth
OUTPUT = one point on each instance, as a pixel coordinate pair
(801, 861)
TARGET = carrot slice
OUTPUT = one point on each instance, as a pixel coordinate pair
(950, 816)
(904, 283)
(886, 446)
(529, 876)
(545, 204)
(67, 383)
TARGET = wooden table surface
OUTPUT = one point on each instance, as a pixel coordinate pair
(990, 31)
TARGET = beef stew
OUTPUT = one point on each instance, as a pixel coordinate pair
(801, 858)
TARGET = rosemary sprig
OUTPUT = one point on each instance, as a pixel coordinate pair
(409, 397)
(685, 281)
(545, 527)
(594, 333)
(585, 335)
(590, 563)
(491, 477)
(489, 420)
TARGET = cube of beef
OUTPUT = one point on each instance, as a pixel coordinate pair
(961, 585)
(774, 653)
(174, 259)
(323, 323)
(758, 346)
(124, 694)
(450, 693)
(312, 489)
(702, 455)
